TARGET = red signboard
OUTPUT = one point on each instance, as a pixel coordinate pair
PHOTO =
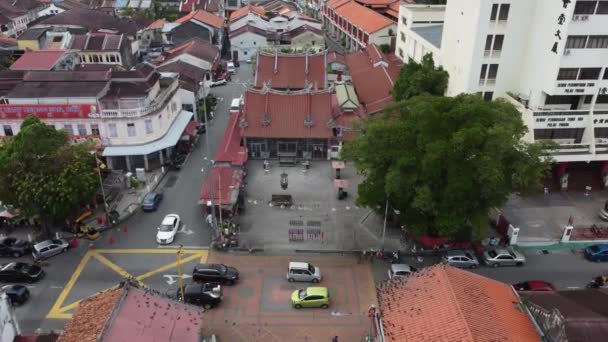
(50, 111)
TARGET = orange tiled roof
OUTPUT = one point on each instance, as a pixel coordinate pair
(443, 303)
(157, 24)
(204, 17)
(366, 19)
(243, 11)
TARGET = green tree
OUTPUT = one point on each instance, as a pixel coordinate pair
(419, 79)
(6, 62)
(43, 174)
(443, 162)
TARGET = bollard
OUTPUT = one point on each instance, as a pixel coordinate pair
(125, 229)
(111, 241)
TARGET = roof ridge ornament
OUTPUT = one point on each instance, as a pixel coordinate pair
(243, 122)
(308, 121)
(331, 124)
(265, 120)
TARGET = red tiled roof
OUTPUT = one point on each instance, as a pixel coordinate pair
(248, 28)
(378, 2)
(38, 60)
(7, 40)
(290, 70)
(203, 17)
(287, 113)
(188, 6)
(157, 24)
(230, 150)
(362, 17)
(373, 84)
(393, 9)
(448, 304)
(243, 11)
(230, 180)
(196, 47)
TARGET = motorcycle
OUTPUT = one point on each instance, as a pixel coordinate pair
(599, 282)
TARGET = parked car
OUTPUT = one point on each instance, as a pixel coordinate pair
(206, 295)
(151, 201)
(603, 212)
(303, 271)
(310, 297)
(534, 285)
(167, 229)
(461, 259)
(230, 68)
(49, 248)
(215, 273)
(17, 272)
(17, 294)
(400, 270)
(10, 246)
(597, 252)
(218, 82)
(503, 257)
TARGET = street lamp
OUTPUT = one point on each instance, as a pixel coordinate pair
(179, 272)
(397, 212)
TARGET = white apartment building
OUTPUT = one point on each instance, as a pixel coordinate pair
(548, 57)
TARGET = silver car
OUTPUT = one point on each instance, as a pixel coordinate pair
(461, 259)
(400, 270)
(303, 271)
(48, 248)
(503, 257)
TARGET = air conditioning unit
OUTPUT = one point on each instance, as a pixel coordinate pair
(584, 17)
(575, 18)
(566, 52)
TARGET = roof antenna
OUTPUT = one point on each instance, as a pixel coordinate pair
(276, 60)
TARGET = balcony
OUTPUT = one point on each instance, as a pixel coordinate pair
(492, 53)
(158, 103)
(567, 148)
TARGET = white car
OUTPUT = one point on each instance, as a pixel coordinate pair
(230, 68)
(220, 82)
(168, 228)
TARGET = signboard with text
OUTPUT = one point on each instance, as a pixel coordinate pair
(48, 111)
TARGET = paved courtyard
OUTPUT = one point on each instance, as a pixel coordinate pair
(258, 307)
(326, 222)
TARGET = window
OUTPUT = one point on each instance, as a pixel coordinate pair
(498, 40)
(588, 99)
(597, 42)
(605, 74)
(402, 35)
(487, 96)
(149, 126)
(131, 129)
(8, 130)
(602, 7)
(494, 12)
(489, 39)
(576, 42)
(602, 99)
(94, 129)
(57, 39)
(404, 20)
(503, 14)
(484, 69)
(68, 129)
(82, 129)
(112, 59)
(95, 59)
(589, 73)
(567, 74)
(561, 100)
(492, 71)
(50, 126)
(112, 131)
(245, 53)
(585, 7)
(401, 52)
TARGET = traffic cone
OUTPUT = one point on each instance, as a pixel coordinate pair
(125, 229)
(111, 240)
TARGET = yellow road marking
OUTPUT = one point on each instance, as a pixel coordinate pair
(121, 271)
(204, 256)
(166, 267)
(147, 251)
(56, 309)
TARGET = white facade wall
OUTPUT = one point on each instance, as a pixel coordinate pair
(409, 44)
(193, 61)
(50, 10)
(382, 36)
(308, 40)
(247, 44)
(100, 57)
(9, 328)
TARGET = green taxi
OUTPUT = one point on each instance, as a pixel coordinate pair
(310, 297)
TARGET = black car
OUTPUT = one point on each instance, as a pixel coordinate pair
(215, 273)
(10, 246)
(206, 295)
(151, 201)
(17, 294)
(16, 272)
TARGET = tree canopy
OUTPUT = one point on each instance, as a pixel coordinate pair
(443, 162)
(43, 174)
(420, 79)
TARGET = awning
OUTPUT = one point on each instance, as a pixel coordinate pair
(191, 128)
(227, 183)
(168, 140)
(230, 150)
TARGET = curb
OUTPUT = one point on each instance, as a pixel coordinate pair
(121, 219)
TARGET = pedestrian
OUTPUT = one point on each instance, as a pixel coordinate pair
(265, 165)
(334, 339)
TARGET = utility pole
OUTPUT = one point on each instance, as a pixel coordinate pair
(384, 227)
(100, 165)
(214, 229)
(179, 272)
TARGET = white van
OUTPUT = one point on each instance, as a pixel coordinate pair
(235, 106)
(230, 67)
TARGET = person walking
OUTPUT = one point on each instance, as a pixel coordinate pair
(334, 339)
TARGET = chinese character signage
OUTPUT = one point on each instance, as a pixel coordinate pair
(560, 21)
(50, 111)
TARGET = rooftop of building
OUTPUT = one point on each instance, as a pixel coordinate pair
(97, 42)
(212, 6)
(22, 5)
(32, 33)
(157, 24)
(8, 12)
(366, 19)
(243, 11)
(128, 313)
(189, 75)
(93, 21)
(291, 71)
(584, 312)
(203, 17)
(449, 304)
(230, 150)
(431, 33)
(6, 41)
(373, 76)
(280, 114)
(196, 47)
(38, 60)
